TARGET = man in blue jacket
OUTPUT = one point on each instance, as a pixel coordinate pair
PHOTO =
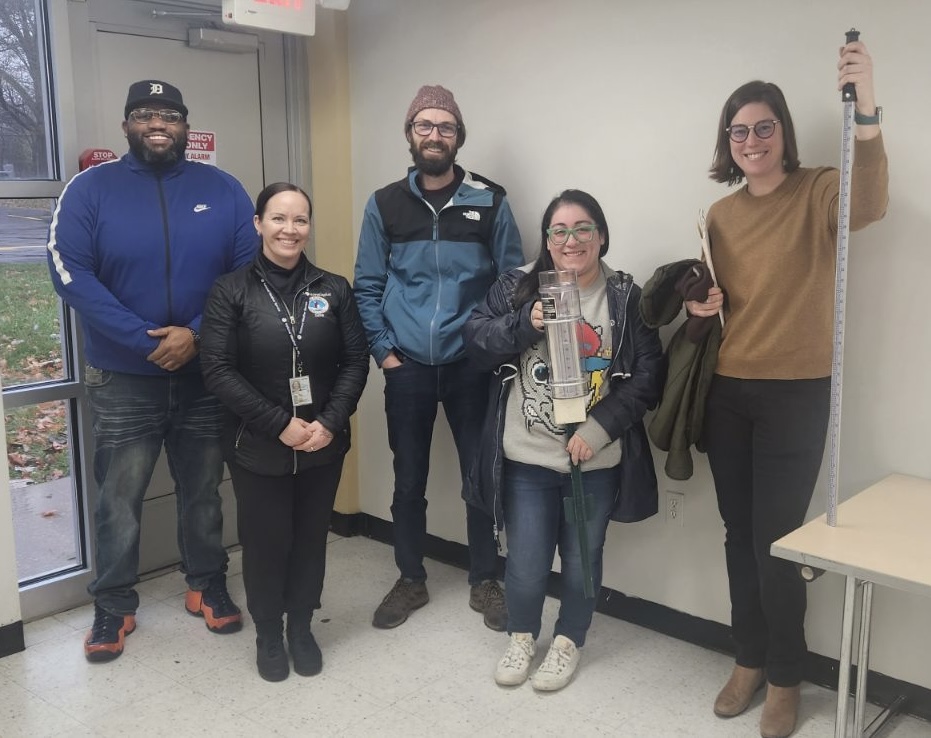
(134, 246)
(431, 245)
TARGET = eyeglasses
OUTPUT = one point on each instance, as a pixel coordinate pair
(559, 236)
(144, 115)
(762, 128)
(425, 128)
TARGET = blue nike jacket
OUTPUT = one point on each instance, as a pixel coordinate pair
(132, 248)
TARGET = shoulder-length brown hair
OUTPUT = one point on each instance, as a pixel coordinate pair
(723, 166)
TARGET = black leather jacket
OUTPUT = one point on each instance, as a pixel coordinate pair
(496, 334)
(247, 360)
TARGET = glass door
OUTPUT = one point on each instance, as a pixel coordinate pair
(37, 342)
(64, 71)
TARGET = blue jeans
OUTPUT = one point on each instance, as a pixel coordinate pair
(134, 416)
(413, 393)
(535, 523)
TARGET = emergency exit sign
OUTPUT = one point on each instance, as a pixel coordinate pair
(283, 16)
(202, 147)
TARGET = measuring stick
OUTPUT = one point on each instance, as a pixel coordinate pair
(848, 97)
(706, 251)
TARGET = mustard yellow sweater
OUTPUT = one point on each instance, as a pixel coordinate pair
(775, 257)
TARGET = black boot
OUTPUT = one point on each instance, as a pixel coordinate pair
(270, 656)
(308, 661)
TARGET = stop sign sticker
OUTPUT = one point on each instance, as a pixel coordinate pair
(92, 157)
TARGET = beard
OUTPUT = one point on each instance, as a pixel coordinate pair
(161, 158)
(432, 166)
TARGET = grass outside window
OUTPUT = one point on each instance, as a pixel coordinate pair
(30, 353)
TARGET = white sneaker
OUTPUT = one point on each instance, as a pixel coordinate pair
(515, 664)
(558, 666)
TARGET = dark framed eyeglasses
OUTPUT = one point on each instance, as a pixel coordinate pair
(425, 128)
(559, 236)
(144, 115)
(762, 128)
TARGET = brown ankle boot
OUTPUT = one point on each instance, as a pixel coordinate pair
(779, 711)
(739, 690)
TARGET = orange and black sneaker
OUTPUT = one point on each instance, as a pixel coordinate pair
(215, 606)
(106, 637)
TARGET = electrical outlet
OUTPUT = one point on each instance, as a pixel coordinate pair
(675, 508)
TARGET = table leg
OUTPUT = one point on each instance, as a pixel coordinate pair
(846, 649)
(863, 657)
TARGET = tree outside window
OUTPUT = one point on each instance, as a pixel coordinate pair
(24, 129)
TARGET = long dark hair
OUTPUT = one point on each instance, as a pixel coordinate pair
(274, 189)
(528, 286)
(723, 166)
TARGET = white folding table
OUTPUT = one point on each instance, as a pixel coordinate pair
(882, 536)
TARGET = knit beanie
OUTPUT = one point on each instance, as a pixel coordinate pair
(435, 96)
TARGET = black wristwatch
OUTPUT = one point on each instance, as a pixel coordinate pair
(868, 120)
(196, 336)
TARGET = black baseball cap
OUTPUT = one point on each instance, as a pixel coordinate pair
(152, 91)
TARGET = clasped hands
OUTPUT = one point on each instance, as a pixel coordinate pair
(175, 347)
(303, 436)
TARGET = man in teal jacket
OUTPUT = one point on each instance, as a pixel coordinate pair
(431, 245)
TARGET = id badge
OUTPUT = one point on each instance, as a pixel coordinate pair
(300, 391)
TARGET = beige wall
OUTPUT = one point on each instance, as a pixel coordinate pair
(331, 169)
(621, 98)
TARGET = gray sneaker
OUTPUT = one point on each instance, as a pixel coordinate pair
(405, 597)
(488, 599)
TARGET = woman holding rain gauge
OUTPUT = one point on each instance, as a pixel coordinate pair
(522, 473)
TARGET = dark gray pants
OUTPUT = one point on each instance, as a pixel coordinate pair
(765, 442)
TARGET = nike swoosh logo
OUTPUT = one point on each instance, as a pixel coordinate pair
(201, 208)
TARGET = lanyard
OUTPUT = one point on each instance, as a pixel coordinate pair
(287, 319)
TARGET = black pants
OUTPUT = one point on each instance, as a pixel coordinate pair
(765, 442)
(283, 525)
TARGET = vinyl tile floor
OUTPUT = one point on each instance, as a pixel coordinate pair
(432, 676)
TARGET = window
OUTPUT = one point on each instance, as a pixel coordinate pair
(25, 130)
(30, 311)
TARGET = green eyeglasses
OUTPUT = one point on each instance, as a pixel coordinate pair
(559, 236)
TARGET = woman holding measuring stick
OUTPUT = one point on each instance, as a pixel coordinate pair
(522, 474)
(773, 242)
